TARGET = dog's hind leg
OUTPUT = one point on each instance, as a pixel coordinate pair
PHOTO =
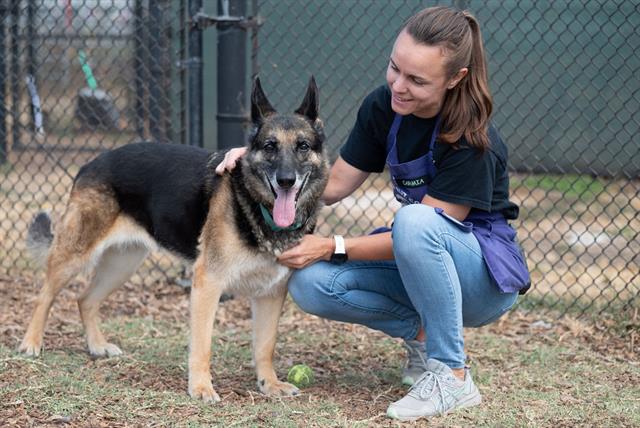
(115, 266)
(62, 268)
(90, 213)
(266, 312)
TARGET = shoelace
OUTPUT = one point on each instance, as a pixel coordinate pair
(425, 388)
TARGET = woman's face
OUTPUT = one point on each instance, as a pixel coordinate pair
(417, 78)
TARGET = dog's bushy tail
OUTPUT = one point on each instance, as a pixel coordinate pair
(39, 238)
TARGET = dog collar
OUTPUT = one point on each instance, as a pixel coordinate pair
(267, 217)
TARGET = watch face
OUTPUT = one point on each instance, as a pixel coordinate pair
(338, 258)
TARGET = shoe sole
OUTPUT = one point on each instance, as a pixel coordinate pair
(469, 402)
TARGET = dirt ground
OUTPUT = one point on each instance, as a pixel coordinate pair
(164, 302)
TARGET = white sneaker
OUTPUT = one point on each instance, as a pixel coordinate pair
(416, 363)
(438, 391)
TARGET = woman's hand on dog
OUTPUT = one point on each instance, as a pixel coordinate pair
(230, 160)
(311, 249)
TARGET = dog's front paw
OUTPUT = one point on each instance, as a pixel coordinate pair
(278, 389)
(30, 348)
(203, 390)
(105, 350)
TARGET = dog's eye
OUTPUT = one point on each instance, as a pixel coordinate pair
(303, 146)
(269, 146)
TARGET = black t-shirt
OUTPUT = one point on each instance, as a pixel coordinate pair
(464, 174)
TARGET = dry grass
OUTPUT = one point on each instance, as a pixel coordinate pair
(532, 369)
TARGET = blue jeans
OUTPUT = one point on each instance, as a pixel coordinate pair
(438, 281)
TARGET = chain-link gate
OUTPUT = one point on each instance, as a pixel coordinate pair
(563, 76)
(80, 77)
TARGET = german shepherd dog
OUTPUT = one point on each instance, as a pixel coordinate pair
(128, 201)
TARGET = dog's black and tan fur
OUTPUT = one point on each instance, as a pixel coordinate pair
(130, 200)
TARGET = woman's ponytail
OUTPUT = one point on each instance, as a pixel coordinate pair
(468, 105)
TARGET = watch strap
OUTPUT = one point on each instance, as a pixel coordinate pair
(340, 248)
(340, 252)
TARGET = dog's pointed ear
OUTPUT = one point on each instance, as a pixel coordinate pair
(309, 106)
(260, 105)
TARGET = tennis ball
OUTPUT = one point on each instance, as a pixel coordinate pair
(300, 375)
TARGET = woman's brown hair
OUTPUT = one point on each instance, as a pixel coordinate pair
(467, 106)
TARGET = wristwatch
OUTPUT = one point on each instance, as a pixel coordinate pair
(340, 253)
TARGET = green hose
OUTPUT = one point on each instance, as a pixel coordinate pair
(88, 74)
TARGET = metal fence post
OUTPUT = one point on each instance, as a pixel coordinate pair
(155, 71)
(194, 77)
(31, 54)
(139, 67)
(37, 122)
(15, 73)
(232, 72)
(3, 86)
(255, 67)
(179, 113)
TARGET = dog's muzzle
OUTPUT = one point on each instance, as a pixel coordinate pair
(285, 199)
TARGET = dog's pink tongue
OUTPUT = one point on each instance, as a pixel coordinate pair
(284, 208)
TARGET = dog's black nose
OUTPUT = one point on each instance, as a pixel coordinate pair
(286, 181)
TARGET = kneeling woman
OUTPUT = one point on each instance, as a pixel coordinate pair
(451, 260)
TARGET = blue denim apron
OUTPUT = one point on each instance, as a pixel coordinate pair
(497, 239)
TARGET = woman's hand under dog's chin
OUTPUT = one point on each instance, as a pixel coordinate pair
(311, 249)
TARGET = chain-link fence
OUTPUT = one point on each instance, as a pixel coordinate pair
(566, 103)
(80, 77)
(563, 75)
